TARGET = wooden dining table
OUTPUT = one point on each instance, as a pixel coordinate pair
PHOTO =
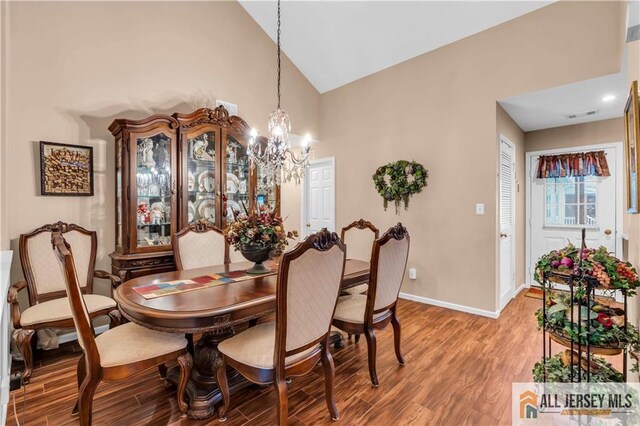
(215, 313)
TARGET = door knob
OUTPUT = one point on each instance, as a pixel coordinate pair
(607, 232)
(503, 235)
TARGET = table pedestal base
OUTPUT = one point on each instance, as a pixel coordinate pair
(202, 390)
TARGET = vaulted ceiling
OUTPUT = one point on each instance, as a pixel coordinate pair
(336, 42)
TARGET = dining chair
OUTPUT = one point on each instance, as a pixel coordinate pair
(201, 244)
(308, 287)
(360, 313)
(359, 242)
(358, 237)
(48, 306)
(118, 353)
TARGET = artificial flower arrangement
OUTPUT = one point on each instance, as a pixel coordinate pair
(557, 369)
(610, 272)
(598, 324)
(594, 321)
(398, 181)
(263, 228)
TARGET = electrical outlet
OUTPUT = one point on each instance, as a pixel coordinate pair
(479, 209)
(412, 274)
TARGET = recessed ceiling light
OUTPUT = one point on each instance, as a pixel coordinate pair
(608, 98)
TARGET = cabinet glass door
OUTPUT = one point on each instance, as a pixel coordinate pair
(153, 190)
(265, 195)
(201, 177)
(238, 179)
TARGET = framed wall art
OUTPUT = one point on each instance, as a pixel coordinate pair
(66, 170)
(632, 138)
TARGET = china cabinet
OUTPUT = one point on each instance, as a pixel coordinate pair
(175, 170)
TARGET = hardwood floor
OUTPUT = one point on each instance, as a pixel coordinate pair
(459, 370)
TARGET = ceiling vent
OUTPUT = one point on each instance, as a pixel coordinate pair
(581, 114)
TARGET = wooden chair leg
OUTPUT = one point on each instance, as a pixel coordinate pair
(162, 371)
(357, 338)
(115, 319)
(87, 391)
(371, 349)
(81, 372)
(396, 336)
(23, 338)
(329, 377)
(185, 361)
(223, 384)
(280, 386)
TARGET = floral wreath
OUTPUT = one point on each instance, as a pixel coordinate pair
(400, 180)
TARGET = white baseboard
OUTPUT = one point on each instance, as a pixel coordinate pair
(70, 337)
(522, 287)
(454, 306)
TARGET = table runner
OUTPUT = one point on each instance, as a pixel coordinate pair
(151, 291)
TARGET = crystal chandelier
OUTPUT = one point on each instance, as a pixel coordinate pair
(276, 161)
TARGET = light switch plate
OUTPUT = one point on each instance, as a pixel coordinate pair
(479, 208)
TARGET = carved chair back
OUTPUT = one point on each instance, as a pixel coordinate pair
(66, 265)
(388, 263)
(199, 245)
(359, 236)
(45, 281)
(309, 278)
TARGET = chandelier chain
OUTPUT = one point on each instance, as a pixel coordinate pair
(279, 22)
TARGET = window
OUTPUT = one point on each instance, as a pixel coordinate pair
(571, 201)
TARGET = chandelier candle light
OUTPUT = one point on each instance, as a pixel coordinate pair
(277, 161)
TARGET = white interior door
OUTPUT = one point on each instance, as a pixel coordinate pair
(560, 208)
(319, 199)
(507, 218)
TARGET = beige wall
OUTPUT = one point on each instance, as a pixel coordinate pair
(439, 109)
(594, 133)
(74, 67)
(508, 128)
(4, 240)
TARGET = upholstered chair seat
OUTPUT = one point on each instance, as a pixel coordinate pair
(48, 303)
(59, 309)
(358, 289)
(130, 343)
(255, 347)
(351, 309)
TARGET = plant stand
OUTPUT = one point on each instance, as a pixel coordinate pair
(582, 287)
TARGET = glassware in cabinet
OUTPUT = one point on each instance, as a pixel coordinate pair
(201, 186)
(154, 187)
(238, 187)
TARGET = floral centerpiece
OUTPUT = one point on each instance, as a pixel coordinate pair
(257, 235)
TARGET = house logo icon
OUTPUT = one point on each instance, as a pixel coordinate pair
(528, 405)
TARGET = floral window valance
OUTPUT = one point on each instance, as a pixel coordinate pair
(592, 163)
